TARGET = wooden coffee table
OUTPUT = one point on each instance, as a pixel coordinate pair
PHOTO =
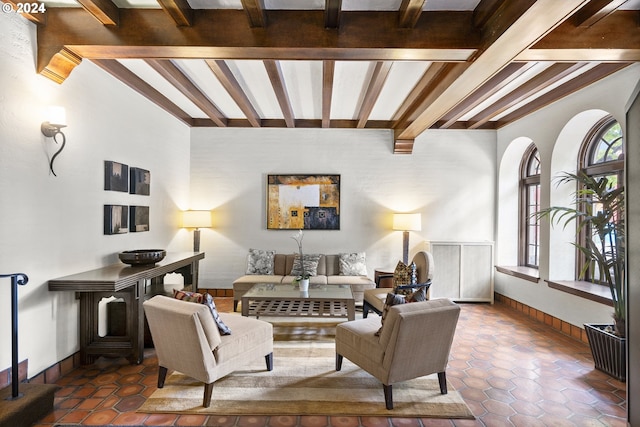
(267, 299)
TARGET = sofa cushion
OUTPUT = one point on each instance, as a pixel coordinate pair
(352, 264)
(260, 261)
(310, 263)
(207, 300)
(247, 334)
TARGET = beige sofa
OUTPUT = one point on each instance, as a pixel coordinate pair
(328, 273)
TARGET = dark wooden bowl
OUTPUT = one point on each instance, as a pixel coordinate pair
(142, 256)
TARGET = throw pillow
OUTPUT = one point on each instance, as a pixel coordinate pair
(310, 262)
(260, 261)
(401, 277)
(392, 299)
(207, 300)
(352, 264)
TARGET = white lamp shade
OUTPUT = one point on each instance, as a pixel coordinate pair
(407, 222)
(196, 219)
(56, 115)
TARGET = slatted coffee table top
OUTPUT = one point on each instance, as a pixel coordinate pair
(269, 299)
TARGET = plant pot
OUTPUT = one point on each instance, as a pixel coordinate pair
(608, 350)
(304, 285)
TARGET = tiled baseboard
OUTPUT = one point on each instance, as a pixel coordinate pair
(573, 331)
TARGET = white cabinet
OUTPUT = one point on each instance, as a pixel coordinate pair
(463, 271)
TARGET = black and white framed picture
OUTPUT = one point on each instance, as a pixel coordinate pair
(140, 182)
(116, 219)
(138, 218)
(116, 176)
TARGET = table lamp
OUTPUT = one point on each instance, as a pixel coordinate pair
(196, 220)
(406, 222)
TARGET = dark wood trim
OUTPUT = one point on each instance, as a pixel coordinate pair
(104, 11)
(376, 83)
(594, 11)
(176, 77)
(551, 75)
(409, 13)
(521, 272)
(226, 78)
(587, 290)
(179, 10)
(598, 72)
(332, 12)
(280, 88)
(328, 69)
(255, 12)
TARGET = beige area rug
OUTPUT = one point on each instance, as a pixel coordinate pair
(304, 382)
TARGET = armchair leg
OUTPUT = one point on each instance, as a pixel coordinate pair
(388, 396)
(208, 389)
(235, 305)
(269, 359)
(442, 380)
(365, 309)
(162, 375)
(338, 362)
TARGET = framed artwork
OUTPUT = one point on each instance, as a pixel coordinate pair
(116, 219)
(138, 218)
(309, 202)
(140, 181)
(116, 176)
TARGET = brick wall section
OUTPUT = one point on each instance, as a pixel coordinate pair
(573, 331)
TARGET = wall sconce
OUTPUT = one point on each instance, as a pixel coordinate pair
(405, 223)
(197, 220)
(55, 120)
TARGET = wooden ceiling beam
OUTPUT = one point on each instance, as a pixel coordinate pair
(38, 16)
(328, 70)
(376, 83)
(332, 12)
(122, 73)
(180, 81)
(224, 75)
(255, 13)
(280, 89)
(505, 77)
(409, 13)
(594, 11)
(597, 73)
(179, 10)
(543, 80)
(105, 11)
(540, 19)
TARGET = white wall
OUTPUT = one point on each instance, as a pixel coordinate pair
(568, 118)
(53, 226)
(450, 179)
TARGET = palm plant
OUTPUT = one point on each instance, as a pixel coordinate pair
(598, 212)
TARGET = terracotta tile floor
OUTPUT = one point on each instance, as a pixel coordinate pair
(511, 371)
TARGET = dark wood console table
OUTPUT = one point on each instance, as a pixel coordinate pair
(130, 283)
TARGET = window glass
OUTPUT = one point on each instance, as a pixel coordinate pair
(530, 202)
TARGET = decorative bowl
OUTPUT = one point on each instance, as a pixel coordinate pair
(142, 256)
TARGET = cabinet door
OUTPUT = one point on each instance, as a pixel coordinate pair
(446, 275)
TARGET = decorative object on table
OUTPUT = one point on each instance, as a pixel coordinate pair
(138, 218)
(116, 176)
(598, 211)
(196, 220)
(55, 120)
(310, 202)
(139, 181)
(406, 222)
(142, 256)
(116, 219)
(299, 269)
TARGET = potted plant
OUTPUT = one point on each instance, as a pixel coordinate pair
(303, 278)
(598, 210)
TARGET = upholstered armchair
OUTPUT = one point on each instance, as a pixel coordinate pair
(187, 339)
(415, 340)
(373, 299)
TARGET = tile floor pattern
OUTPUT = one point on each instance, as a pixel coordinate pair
(510, 369)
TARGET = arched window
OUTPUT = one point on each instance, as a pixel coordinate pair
(601, 156)
(529, 204)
